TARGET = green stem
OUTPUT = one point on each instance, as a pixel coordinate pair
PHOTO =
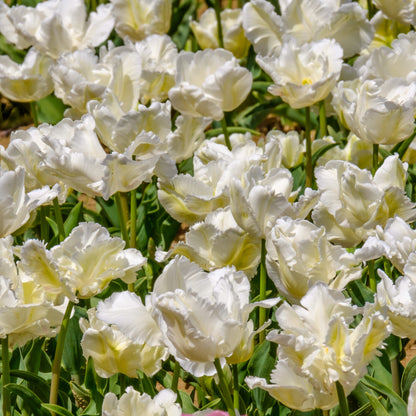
(59, 220)
(226, 133)
(133, 230)
(343, 404)
(372, 276)
(7, 408)
(230, 4)
(375, 158)
(309, 170)
(56, 367)
(224, 388)
(175, 378)
(395, 376)
(122, 210)
(123, 382)
(325, 412)
(236, 387)
(262, 293)
(219, 25)
(44, 226)
(34, 113)
(322, 119)
(370, 9)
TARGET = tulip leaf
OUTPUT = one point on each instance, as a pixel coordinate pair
(377, 406)
(54, 408)
(396, 405)
(30, 400)
(73, 218)
(321, 151)
(37, 384)
(50, 109)
(261, 364)
(408, 377)
(73, 358)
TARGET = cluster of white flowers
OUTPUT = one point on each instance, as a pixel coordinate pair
(139, 109)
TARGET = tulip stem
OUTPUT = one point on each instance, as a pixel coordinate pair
(56, 367)
(225, 132)
(133, 218)
(322, 119)
(224, 388)
(59, 220)
(370, 9)
(122, 210)
(175, 378)
(219, 25)
(262, 292)
(309, 170)
(34, 113)
(343, 404)
(372, 276)
(6, 375)
(236, 387)
(44, 228)
(395, 376)
(375, 158)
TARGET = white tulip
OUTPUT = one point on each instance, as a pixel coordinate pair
(57, 26)
(299, 255)
(137, 19)
(133, 403)
(218, 242)
(130, 336)
(206, 31)
(317, 348)
(397, 301)
(380, 112)
(353, 203)
(27, 82)
(208, 83)
(303, 75)
(203, 316)
(15, 204)
(403, 11)
(306, 21)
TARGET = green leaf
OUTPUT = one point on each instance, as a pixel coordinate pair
(30, 400)
(408, 377)
(37, 384)
(73, 218)
(261, 364)
(359, 293)
(321, 151)
(72, 357)
(396, 405)
(50, 109)
(364, 410)
(54, 408)
(377, 406)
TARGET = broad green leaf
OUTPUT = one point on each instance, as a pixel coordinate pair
(396, 405)
(50, 109)
(30, 400)
(377, 406)
(37, 384)
(54, 408)
(73, 218)
(408, 377)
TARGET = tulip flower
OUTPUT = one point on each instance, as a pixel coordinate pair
(352, 202)
(16, 205)
(116, 344)
(203, 316)
(132, 403)
(27, 82)
(206, 31)
(306, 21)
(299, 255)
(208, 83)
(303, 75)
(317, 348)
(377, 111)
(403, 11)
(218, 242)
(397, 301)
(56, 26)
(141, 18)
